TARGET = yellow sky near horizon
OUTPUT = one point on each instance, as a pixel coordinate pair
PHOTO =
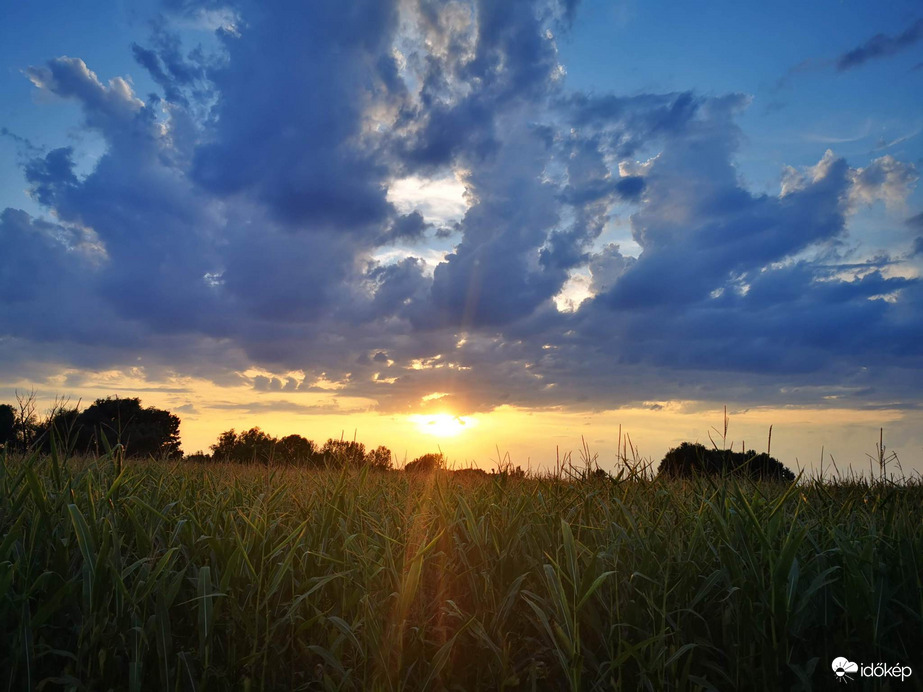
(532, 438)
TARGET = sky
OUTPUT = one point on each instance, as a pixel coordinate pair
(499, 229)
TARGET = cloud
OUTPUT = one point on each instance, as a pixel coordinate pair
(175, 73)
(885, 179)
(107, 108)
(23, 143)
(290, 120)
(393, 199)
(880, 46)
(51, 173)
(408, 227)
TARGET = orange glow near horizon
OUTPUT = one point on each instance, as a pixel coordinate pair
(442, 424)
(534, 438)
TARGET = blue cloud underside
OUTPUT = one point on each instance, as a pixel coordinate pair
(238, 213)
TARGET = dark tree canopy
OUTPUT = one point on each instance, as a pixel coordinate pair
(143, 431)
(7, 424)
(470, 474)
(379, 459)
(256, 446)
(340, 453)
(295, 449)
(689, 460)
(62, 424)
(426, 463)
(248, 447)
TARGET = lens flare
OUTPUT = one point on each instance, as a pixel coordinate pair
(443, 424)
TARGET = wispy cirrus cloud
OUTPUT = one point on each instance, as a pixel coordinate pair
(877, 47)
(880, 46)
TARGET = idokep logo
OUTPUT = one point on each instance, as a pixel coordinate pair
(844, 669)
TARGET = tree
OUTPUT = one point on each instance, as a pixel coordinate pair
(379, 459)
(61, 426)
(690, 460)
(250, 446)
(295, 449)
(143, 431)
(339, 453)
(7, 425)
(426, 463)
(223, 449)
(26, 421)
(254, 445)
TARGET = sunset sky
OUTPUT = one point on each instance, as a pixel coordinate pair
(477, 226)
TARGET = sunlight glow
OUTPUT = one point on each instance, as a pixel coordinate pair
(440, 200)
(443, 424)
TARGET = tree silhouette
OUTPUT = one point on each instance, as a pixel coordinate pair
(339, 453)
(295, 449)
(7, 425)
(379, 459)
(223, 449)
(426, 463)
(250, 446)
(143, 431)
(689, 460)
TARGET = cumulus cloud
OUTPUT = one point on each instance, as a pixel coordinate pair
(885, 179)
(248, 217)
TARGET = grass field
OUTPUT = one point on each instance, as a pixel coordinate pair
(145, 575)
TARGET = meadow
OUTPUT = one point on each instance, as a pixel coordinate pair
(121, 574)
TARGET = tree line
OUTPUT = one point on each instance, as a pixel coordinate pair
(143, 432)
(255, 446)
(152, 432)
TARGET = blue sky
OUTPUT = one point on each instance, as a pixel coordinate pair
(402, 208)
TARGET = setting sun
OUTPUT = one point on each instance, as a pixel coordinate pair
(443, 424)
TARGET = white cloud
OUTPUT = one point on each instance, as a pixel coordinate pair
(885, 179)
(441, 201)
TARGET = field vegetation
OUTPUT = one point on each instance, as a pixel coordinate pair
(167, 575)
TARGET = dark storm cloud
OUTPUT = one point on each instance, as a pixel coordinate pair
(36, 260)
(46, 175)
(241, 218)
(880, 46)
(490, 278)
(290, 114)
(410, 226)
(151, 223)
(177, 74)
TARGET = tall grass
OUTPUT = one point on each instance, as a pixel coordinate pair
(205, 577)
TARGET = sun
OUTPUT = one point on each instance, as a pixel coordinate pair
(443, 424)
